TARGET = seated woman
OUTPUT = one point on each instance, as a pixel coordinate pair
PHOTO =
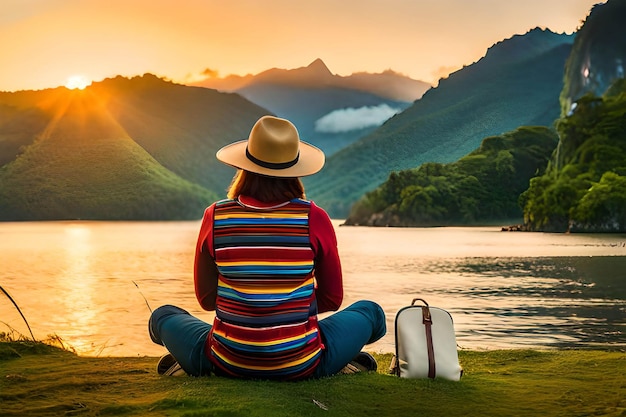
(267, 263)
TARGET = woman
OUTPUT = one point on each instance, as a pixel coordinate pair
(267, 263)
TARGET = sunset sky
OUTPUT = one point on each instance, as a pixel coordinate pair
(43, 43)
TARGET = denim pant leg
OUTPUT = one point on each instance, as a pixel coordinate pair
(184, 337)
(346, 332)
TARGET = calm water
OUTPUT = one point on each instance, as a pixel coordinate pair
(90, 283)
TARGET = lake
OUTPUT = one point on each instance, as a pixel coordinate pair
(93, 284)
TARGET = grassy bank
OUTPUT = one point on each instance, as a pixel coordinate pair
(39, 380)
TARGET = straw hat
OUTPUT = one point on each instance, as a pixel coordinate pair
(274, 149)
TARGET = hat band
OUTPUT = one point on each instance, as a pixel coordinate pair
(272, 165)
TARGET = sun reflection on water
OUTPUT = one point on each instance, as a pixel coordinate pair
(76, 280)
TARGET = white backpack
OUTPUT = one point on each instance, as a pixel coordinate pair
(425, 343)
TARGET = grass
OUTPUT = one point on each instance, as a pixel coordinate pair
(41, 380)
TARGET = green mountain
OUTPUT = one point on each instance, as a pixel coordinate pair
(517, 83)
(584, 187)
(182, 127)
(479, 188)
(121, 149)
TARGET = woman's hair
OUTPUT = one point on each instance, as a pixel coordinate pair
(264, 188)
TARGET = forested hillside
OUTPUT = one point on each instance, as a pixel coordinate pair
(516, 84)
(587, 192)
(480, 188)
(584, 188)
(139, 148)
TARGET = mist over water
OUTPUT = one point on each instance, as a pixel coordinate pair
(92, 283)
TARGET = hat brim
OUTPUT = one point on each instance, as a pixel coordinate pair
(310, 161)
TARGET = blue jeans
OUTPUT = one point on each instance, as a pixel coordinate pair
(344, 334)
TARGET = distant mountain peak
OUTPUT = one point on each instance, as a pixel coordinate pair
(319, 67)
(316, 75)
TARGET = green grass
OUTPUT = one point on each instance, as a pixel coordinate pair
(40, 380)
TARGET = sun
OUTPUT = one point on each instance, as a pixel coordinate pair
(79, 82)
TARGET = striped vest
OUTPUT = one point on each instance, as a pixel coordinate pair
(266, 314)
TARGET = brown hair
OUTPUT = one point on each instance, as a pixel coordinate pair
(264, 188)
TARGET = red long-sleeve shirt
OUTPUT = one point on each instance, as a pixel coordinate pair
(328, 276)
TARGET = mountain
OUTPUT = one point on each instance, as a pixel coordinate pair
(388, 84)
(598, 57)
(480, 188)
(517, 83)
(139, 148)
(181, 126)
(329, 110)
(584, 188)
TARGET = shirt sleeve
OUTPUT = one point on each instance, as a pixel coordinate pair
(328, 275)
(205, 270)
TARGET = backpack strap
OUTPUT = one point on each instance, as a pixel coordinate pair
(428, 322)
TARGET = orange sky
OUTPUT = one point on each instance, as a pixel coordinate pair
(45, 42)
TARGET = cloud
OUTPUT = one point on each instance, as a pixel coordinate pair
(345, 120)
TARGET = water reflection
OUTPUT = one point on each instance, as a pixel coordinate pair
(77, 280)
(504, 302)
(77, 307)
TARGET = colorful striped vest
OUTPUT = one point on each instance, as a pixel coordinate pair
(266, 315)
